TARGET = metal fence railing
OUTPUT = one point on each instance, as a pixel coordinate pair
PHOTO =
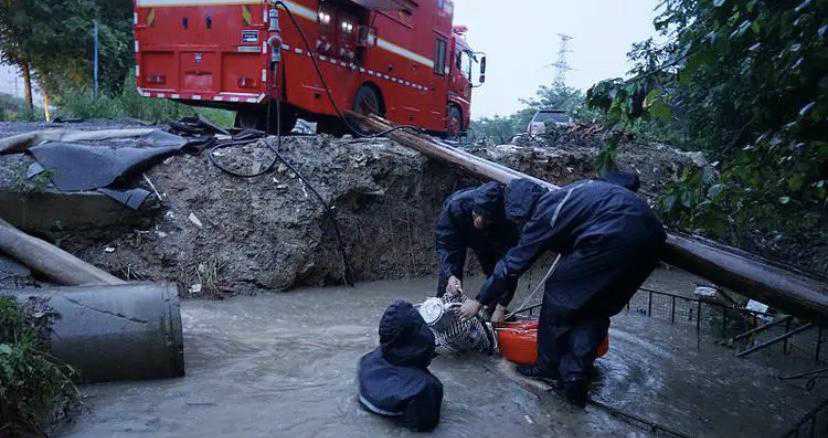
(747, 332)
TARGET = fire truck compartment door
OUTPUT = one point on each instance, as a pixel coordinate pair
(198, 71)
(386, 5)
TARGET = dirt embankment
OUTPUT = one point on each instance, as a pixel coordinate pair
(216, 234)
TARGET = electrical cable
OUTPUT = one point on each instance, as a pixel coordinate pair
(538, 287)
(635, 420)
(329, 211)
(811, 377)
(328, 92)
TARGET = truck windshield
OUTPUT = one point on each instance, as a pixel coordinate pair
(464, 63)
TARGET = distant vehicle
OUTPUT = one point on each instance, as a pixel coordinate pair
(545, 121)
(402, 59)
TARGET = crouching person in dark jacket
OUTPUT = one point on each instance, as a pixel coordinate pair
(486, 220)
(609, 242)
(394, 380)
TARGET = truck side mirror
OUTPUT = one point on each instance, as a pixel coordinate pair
(482, 70)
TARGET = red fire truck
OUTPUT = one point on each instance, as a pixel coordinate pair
(402, 59)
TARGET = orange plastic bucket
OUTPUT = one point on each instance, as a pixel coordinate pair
(518, 342)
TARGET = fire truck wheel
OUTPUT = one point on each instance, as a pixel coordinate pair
(257, 119)
(288, 122)
(368, 101)
(251, 119)
(455, 121)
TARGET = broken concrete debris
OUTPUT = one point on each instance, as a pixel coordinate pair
(195, 220)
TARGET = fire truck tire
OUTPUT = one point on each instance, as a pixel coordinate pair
(257, 119)
(289, 119)
(369, 101)
(454, 123)
(251, 119)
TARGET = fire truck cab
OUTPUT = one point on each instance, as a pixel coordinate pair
(402, 59)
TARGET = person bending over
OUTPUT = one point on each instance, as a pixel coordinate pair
(609, 241)
(487, 220)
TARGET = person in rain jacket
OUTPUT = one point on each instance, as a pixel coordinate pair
(394, 379)
(609, 242)
(487, 220)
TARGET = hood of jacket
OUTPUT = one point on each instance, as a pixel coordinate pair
(488, 200)
(522, 196)
(627, 180)
(405, 338)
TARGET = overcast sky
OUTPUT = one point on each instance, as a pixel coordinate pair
(520, 39)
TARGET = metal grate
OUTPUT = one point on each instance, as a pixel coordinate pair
(750, 333)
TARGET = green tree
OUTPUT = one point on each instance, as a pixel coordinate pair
(52, 43)
(745, 81)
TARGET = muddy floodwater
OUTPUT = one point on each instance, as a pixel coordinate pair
(285, 365)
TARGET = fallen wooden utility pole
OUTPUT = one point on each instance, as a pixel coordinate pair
(49, 260)
(745, 273)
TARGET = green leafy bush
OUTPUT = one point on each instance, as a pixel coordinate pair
(745, 82)
(33, 387)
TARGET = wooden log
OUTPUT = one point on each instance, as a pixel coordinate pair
(747, 274)
(49, 260)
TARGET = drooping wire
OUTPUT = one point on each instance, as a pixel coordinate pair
(811, 377)
(356, 131)
(330, 213)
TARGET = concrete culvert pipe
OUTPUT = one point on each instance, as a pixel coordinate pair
(117, 332)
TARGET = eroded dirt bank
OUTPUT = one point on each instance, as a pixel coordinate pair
(218, 235)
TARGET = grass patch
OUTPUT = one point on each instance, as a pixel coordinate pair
(34, 389)
(81, 104)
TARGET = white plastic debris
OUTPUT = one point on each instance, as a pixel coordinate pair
(706, 291)
(195, 289)
(109, 249)
(756, 306)
(195, 220)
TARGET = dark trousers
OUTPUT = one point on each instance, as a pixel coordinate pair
(589, 287)
(571, 349)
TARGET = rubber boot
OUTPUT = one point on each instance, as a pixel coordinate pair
(538, 373)
(576, 392)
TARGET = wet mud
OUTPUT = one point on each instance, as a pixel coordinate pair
(285, 365)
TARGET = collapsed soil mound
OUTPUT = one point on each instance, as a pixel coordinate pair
(220, 234)
(216, 234)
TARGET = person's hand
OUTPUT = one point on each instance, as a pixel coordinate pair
(454, 286)
(499, 314)
(469, 309)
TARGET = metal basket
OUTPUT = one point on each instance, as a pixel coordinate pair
(452, 335)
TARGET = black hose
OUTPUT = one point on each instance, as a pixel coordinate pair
(329, 211)
(328, 92)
